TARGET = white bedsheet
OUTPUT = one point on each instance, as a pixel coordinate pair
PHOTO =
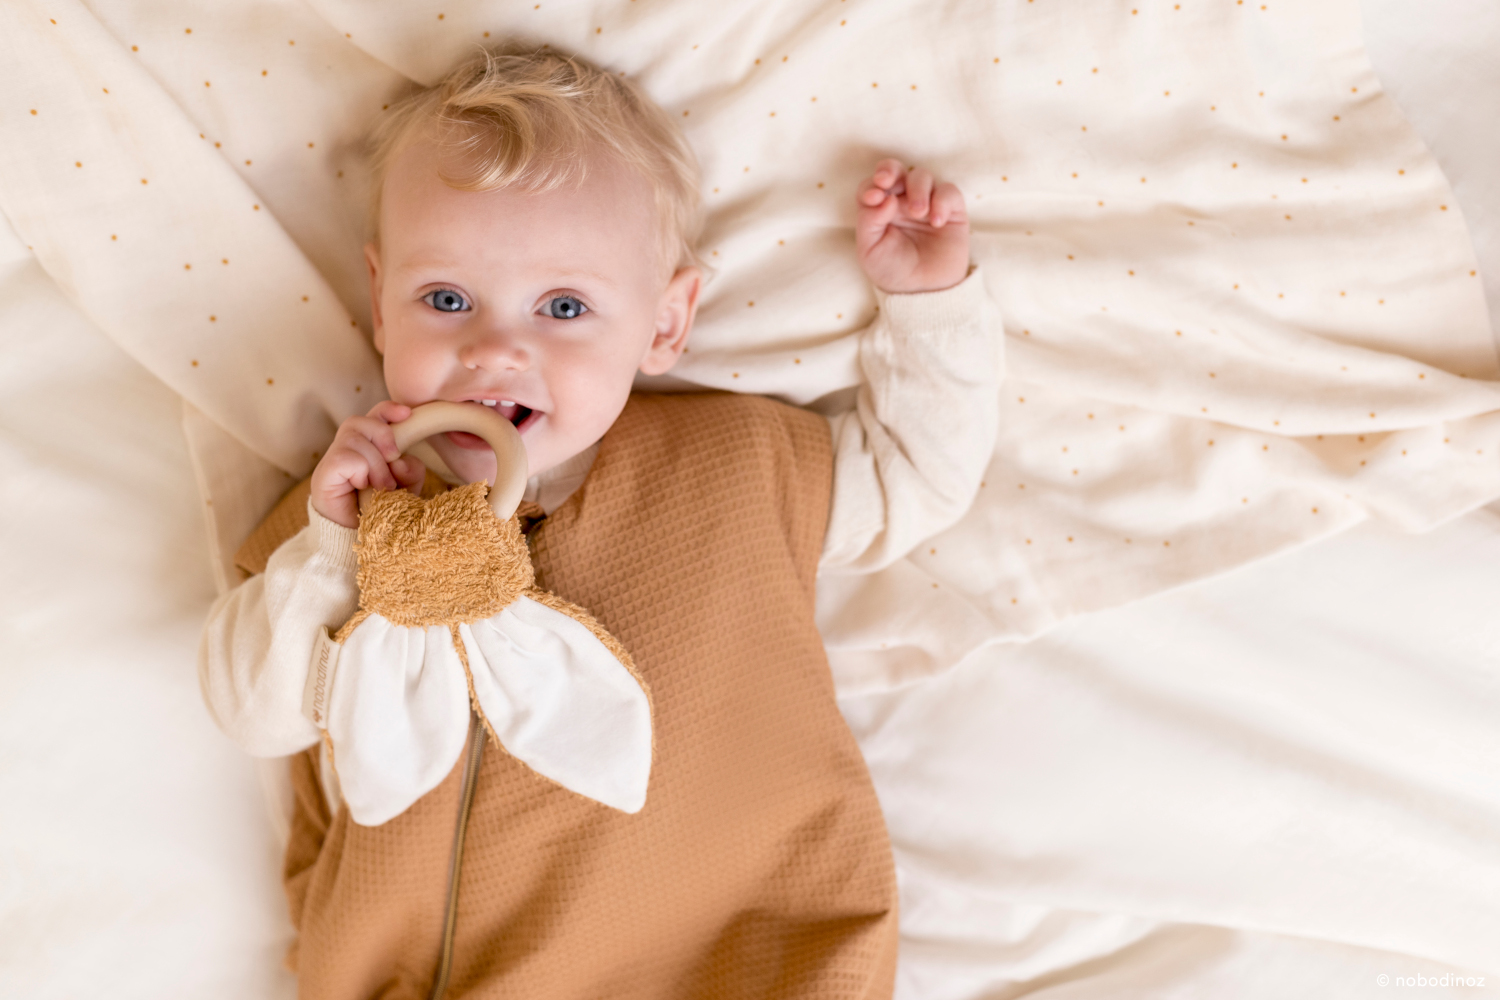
(1435, 59)
(136, 860)
(1276, 783)
(1305, 748)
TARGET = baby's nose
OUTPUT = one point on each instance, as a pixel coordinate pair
(495, 350)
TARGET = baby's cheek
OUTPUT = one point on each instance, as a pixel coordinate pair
(413, 371)
(597, 391)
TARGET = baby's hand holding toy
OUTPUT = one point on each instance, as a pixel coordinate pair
(912, 233)
(363, 456)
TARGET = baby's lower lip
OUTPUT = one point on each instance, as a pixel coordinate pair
(473, 442)
(466, 440)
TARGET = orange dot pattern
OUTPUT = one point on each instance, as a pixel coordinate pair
(1204, 377)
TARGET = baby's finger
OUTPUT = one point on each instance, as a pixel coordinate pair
(374, 430)
(377, 473)
(889, 178)
(947, 205)
(409, 472)
(918, 192)
(342, 470)
(390, 412)
(869, 193)
(888, 171)
(871, 223)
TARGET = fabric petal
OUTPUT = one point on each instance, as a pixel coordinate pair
(561, 703)
(398, 716)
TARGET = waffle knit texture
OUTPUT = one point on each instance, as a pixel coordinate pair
(760, 865)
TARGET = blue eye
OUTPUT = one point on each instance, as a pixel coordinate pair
(565, 307)
(446, 300)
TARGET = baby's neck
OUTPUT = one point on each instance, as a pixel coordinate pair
(551, 489)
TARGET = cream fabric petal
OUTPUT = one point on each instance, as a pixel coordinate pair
(398, 715)
(560, 702)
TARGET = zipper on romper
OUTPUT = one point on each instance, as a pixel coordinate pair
(455, 863)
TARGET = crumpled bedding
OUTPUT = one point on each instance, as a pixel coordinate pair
(1304, 338)
(1241, 308)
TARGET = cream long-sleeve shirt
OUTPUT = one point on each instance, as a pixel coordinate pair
(907, 461)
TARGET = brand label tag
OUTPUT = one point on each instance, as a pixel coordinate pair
(325, 660)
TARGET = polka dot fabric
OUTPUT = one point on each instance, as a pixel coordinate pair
(158, 229)
(1240, 305)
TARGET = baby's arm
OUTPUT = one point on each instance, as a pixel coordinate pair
(258, 643)
(908, 459)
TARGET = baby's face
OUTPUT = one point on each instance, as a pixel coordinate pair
(542, 305)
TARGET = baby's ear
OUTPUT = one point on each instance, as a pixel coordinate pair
(674, 320)
(372, 261)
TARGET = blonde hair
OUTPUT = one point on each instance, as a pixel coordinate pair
(530, 119)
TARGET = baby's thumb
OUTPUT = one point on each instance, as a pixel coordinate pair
(870, 224)
(409, 472)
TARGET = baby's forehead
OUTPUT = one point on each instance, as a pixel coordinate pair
(602, 232)
(605, 207)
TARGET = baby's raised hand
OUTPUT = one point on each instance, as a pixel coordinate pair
(912, 234)
(363, 454)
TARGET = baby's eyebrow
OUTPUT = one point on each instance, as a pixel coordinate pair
(426, 267)
(437, 268)
(563, 277)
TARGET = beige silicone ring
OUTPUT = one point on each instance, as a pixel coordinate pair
(499, 433)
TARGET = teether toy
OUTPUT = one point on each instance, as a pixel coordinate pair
(450, 619)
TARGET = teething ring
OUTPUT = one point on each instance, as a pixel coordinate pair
(500, 434)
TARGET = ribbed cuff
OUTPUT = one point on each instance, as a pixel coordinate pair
(961, 305)
(335, 542)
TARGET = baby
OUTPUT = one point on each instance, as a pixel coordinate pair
(534, 249)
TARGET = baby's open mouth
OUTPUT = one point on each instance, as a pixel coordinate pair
(520, 416)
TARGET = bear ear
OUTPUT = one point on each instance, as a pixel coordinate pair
(390, 509)
(387, 516)
(441, 561)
